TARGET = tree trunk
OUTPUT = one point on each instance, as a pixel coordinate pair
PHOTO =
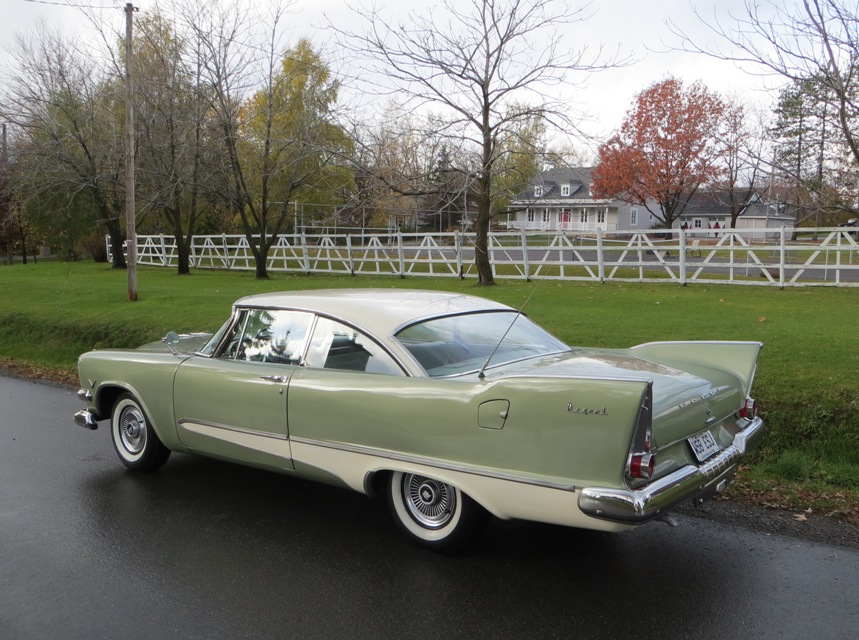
(261, 257)
(183, 257)
(116, 240)
(481, 243)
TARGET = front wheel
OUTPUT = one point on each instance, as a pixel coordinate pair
(134, 440)
(434, 514)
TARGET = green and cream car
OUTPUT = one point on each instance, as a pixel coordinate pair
(450, 406)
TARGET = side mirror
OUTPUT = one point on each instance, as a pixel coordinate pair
(172, 341)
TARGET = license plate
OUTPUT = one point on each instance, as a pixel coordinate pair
(703, 445)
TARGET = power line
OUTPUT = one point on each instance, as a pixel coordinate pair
(73, 5)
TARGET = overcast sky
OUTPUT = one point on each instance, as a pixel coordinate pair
(638, 26)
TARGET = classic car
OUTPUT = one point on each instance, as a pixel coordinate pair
(450, 406)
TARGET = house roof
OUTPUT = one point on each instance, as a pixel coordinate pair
(551, 180)
(717, 202)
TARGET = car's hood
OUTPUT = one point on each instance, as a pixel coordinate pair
(188, 343)
(682, 400)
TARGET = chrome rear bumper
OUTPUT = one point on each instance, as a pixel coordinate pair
(636, 506)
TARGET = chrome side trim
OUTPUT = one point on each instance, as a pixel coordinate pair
(675, 342)
(438, 464)
(629, 506)
(226, 427)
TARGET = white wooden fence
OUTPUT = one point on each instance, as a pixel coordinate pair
(768, 257)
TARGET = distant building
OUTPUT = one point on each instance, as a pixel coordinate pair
(711, 210)
(561, 200)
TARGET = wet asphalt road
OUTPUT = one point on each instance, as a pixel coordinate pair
(204, 549)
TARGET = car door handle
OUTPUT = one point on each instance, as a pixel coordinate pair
(280, 379)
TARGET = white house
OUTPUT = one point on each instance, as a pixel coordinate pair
(561, 200)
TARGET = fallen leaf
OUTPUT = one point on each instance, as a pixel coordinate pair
(799, 517)
(762, 319)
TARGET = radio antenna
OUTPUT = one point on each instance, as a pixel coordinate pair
(482, 373)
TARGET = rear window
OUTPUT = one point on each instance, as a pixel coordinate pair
(461, 344)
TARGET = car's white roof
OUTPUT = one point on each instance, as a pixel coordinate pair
(379, 311)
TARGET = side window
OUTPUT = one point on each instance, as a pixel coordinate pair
(269, 335)
(338, 346)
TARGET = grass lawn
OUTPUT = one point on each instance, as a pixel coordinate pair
(808, 373)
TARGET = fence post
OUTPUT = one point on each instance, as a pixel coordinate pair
(781, 259)
(305, 259)
(682, 257)
(349, 253)
(600, 256)
(400, 254)
(526, 263)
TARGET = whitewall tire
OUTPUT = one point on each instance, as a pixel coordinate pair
(434, 514)
(134, 440)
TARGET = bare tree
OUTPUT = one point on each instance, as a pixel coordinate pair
(487, 66)
(742, 157)
(69, 109)
(175, 156)
(801, 41)
(397, 158)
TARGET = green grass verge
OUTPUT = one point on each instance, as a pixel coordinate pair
(807, 383)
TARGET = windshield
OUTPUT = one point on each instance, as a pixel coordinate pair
(209, 347)
(460, 344)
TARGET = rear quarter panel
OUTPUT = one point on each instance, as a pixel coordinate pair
(563, 430)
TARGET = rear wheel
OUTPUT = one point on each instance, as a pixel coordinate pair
(134, 440)
(434, 514)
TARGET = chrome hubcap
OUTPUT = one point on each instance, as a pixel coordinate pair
(431, 503)
(132, 430)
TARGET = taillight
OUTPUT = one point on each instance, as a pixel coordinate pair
(641, 466)
(641, 463)
(749, 410)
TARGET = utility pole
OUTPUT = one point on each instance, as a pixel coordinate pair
(130, 215)
(6, 211)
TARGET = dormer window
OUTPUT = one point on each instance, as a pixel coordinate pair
(565, 189)
(538, 190)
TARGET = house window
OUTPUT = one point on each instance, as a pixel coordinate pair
(601, 216)
(530, 215)
(633, 217)
(583, 216)
(565, 189)
(697, 223)
(538, 190)
(545, 216)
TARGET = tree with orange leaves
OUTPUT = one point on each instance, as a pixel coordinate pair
(665, 150)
